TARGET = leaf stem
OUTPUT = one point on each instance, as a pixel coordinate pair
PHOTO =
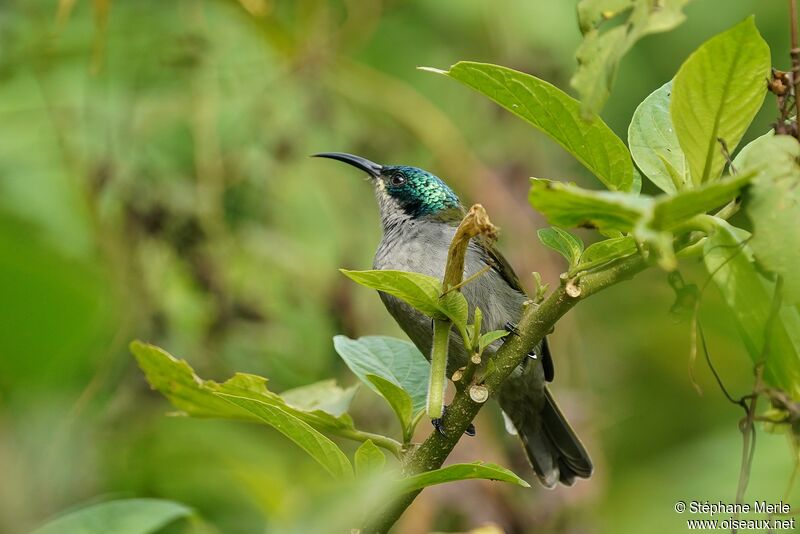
(438, 380)
(703, 223)
(384, 442)
(795, 55)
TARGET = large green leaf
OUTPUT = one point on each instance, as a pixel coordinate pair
(196, 397)
(727, 258)
(398, 399)
(774, 209)
(716, 94)
(654, 144)
(127, 516)
(743, 154)
(319, 447)
(563, 242)
(555, 113)
(651, 221)
(325, 395)
(569, 205)
(395, 360)
(670, 211)
(454, 472)
(602, 49)
(421, 291)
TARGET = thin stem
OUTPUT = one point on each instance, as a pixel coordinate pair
(384, 442)
(748, 428)
(467, 280)
(795, 55)
(438, 381)
(729, 209)
(703, 223)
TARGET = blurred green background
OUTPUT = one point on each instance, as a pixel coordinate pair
(155, 184)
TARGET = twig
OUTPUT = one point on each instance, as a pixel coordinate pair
(738, 402)
(467, 280)
(795, 55)
(748, 428)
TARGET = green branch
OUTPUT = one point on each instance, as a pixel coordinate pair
(536, 322)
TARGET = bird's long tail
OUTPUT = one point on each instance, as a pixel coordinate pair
(553, 449)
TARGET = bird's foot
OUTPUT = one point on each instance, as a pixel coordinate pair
(438, 424)
(511, 328)
(514, 330)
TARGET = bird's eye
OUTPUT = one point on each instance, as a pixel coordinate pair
(397, 179)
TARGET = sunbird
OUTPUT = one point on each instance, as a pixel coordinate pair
(419, 214)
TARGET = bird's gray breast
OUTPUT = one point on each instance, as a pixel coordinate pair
(421, 247)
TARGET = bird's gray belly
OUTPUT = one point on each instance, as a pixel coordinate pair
(424, 250)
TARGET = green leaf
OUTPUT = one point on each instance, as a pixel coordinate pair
(652, 221)
(563, 242)
(196, 397)
(419, 290)
(395, 360)
(716, 94)
(398, 399)
(490, 337)
(319, 447)
(454, 472)
(746, 150)
(654, 144)
(774, 209)
(603, 252)
(325, 395)
(193, 396)
(670, 211)
(569, 205)
(602, 49)
(453, 305)
(127, 516)
(556, 114)
(369, 459)
(727, 258)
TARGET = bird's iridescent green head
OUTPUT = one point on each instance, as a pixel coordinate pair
(402, 190)
(417, 192)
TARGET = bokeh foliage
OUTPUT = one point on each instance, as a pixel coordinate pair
(155, 184)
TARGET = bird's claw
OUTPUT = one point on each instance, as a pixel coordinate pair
(438, 424)
(511, 328)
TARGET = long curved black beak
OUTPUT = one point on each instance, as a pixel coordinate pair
(370, 167)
